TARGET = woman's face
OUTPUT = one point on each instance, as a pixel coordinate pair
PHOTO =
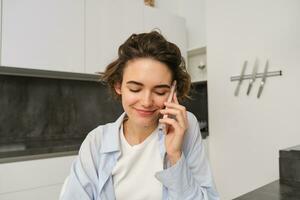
(144, 89)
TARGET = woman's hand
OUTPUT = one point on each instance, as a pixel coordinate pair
(177, 126)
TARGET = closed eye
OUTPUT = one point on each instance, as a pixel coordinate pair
(158, 93)
(131, 90)
(161, 93)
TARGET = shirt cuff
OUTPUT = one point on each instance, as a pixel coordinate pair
(176, 177)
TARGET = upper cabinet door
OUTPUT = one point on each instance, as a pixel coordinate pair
(108, 24)
(43, 34)
(171, 26)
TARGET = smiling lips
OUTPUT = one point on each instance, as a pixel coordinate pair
(145, 113)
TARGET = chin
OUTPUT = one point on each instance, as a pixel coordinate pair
(146, 121)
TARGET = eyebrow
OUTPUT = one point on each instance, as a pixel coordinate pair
(141, 84)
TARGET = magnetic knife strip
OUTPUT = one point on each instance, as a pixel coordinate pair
(253, 77)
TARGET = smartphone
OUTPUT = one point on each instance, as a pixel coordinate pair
(161, 126)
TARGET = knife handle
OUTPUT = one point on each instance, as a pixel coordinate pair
(236, 92)
(237, 89)
(249, 87)
(260, 90)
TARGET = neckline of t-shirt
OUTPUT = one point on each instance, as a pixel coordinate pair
(147, 140)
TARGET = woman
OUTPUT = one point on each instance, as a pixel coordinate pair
(131, 158)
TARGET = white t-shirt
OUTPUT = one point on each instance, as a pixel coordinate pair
(133, 174)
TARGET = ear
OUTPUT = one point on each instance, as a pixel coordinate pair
(118, 88)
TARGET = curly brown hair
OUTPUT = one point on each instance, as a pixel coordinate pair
(149, 45)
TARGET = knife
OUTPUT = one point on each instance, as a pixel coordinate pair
(236, 93)
(263, 80)
(253, 77)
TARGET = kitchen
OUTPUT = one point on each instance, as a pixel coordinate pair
(245, 132)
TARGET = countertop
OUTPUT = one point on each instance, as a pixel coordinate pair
(273, 191)
(38, 149)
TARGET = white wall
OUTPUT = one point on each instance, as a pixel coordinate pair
(246, 133)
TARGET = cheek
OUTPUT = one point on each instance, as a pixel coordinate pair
(129, 99)
(159, 101)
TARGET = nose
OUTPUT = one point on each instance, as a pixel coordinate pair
(147, 100)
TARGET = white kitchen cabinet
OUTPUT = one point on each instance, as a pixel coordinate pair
(108, 24)
(171, 26)
(34, 175)
(194, 13)
(50, 192)
(196, 62)
(43, 34)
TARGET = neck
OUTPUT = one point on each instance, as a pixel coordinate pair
(136, 134)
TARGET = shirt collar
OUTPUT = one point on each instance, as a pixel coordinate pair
(110, 136)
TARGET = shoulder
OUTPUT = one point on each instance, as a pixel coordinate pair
(91, 147)
(103, 138)
(191, 118)
(192, 133)
(96, 136)
(192, 123)
(92, 142)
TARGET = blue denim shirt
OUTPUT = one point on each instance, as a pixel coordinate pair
(91, 172)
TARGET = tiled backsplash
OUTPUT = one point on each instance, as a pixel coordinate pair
(52, 109)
